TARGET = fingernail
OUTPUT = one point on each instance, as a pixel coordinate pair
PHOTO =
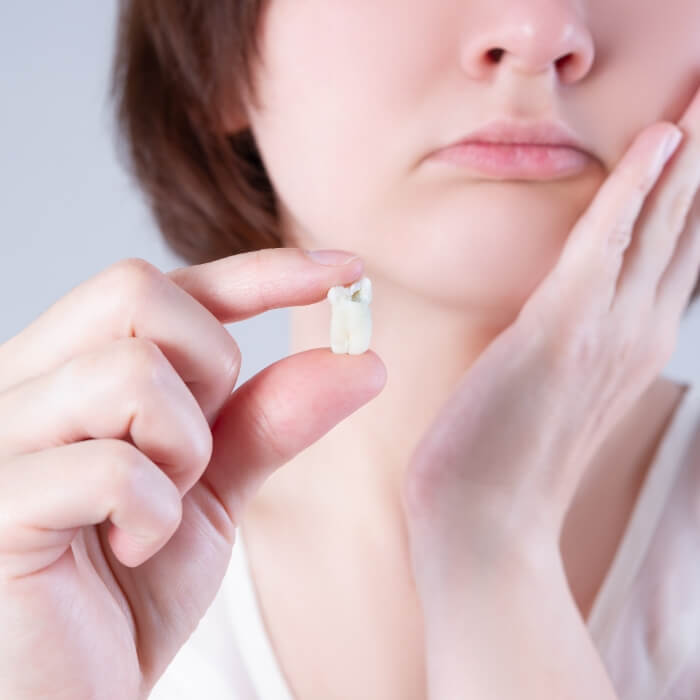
(331, 257)
(671, 142)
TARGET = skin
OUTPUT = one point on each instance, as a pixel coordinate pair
(110, 494)
(590, 340)
(459, 252)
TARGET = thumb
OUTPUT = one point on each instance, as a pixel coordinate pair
(282, 410)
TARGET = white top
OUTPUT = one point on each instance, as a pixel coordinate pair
(645, 620)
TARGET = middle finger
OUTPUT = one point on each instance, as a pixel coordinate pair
(181, 311)
(662, 219)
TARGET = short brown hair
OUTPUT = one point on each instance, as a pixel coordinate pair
(176, 64)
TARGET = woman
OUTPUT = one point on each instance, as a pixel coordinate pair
(410, 545)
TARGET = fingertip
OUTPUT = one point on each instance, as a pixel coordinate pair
(129, 552)
(381, 374)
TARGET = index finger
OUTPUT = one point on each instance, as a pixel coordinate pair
(244, 285)
(182, 311)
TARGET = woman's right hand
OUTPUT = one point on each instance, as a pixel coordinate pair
(125, 457)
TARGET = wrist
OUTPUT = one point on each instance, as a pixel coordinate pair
(489, 559)
(515, 632)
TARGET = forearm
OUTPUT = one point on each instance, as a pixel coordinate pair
(512, 632)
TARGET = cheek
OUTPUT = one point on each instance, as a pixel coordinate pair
(321, 129)
(339, 135)
(341, 94)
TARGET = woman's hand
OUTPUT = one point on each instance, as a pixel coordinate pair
(125, 459)
(490, 483)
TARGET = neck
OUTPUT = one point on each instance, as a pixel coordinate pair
(351, 478)
(426, 346)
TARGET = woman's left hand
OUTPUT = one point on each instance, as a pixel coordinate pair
(490, 483)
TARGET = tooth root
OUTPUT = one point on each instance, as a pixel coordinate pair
(351, 319)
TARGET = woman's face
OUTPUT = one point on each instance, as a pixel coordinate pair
(356, 94)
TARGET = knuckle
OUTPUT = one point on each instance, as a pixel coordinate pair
(265, 432)
(626, 351)
(171, 513)
(680, 206)
(634, 350)
(143, 362)
(145, 366)
(665, 345)
(631, 185)
(231, 360)
(203, 445)
(620, 234)
(122, 469)
(264, 288)
(133, 279)
(628, 340)
(170, 508)
(638, 182)
(574, 347)
(133, 273)
(624, 215)
(642, 186)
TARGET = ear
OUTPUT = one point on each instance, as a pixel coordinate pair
(234, 122)
(233, 115)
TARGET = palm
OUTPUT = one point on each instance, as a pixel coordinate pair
(119, 627)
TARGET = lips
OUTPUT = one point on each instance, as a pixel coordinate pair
(515, 161)
(508, 149)
(505, 131)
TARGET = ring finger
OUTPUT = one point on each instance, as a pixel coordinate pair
(126, 390)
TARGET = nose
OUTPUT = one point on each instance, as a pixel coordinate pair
(530, 37)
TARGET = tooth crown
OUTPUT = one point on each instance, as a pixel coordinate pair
(351, 319)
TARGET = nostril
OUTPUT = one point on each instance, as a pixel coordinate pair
(495, 55)
(565, 60)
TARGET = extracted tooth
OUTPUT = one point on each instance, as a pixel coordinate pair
(351, 319)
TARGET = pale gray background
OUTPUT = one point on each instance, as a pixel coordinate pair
(68, 210)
